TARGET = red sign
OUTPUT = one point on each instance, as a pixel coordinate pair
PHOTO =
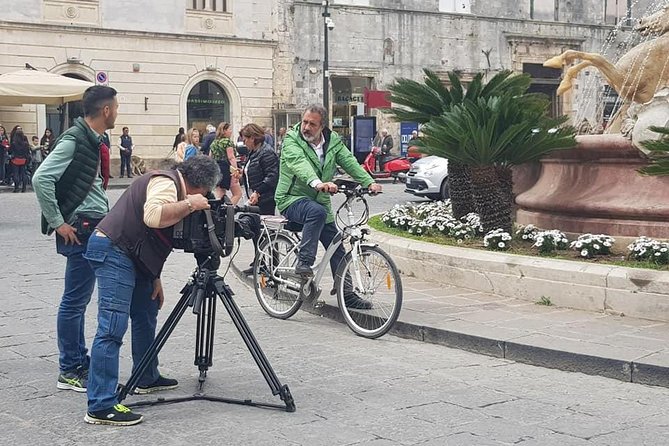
(377, 99)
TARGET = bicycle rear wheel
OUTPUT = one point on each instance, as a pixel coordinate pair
(275, 256)
(379, 283)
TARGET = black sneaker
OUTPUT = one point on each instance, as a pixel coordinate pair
(161, 383)
(119, 415)
(77, 381)
(303, 269)
(354, 301)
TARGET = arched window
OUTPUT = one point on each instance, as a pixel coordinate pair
(207, 103)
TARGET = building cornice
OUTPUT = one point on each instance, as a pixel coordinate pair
(42, 27)
(454, 15)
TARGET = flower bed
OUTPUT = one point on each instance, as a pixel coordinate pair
(434, 222)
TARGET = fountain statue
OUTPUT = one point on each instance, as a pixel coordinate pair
(595, 187)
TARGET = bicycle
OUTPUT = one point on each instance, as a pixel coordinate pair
(366, 270)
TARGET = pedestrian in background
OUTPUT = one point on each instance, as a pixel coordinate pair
(279, 139)
(208, 139)
(5, 173)
(126, 147)
(178, 139)
(35, 154)
(69, 190)
(180, 151)
(19, 155)
(45, 142)
(269, 138)
(193, 143)
(224, 153)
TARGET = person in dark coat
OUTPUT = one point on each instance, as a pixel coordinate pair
(261, 173)
(19, 157)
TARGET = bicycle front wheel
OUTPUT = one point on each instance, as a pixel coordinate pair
(374, 279)
(276, 255)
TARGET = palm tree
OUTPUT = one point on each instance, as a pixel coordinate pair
(421, 102)
(490, 135)
(659, 153)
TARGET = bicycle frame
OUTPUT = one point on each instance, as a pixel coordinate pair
(352, 231)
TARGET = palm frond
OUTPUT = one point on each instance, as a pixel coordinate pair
(659, 153)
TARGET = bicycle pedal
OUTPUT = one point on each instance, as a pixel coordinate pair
(318, 304)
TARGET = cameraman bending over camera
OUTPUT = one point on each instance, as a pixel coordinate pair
(310, 155)
(127, 252)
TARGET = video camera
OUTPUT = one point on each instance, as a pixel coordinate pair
(213, 231)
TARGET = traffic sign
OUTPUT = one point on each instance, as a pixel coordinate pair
(101, 78)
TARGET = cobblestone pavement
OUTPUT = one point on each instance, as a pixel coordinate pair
(348, 390)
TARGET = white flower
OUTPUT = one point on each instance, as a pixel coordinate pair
(584, 253)
(595, 246)
(501, 244)
(578, 245)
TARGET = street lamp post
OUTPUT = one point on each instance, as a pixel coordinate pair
(327, 25)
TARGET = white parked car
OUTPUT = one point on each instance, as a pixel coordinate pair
(428, 178)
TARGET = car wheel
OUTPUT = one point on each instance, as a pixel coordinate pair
(444, 192)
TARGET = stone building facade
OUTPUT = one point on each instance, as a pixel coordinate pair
(174, 63)
(181, 63)
(376, 41)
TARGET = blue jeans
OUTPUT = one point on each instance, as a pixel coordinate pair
(125, 164)
(122, 293)
(312, 215)
(79, 284)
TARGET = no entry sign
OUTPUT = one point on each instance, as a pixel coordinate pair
(101, 78)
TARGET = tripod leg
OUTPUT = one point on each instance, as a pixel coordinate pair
(157, 344)
(224, 292)
(204, 336)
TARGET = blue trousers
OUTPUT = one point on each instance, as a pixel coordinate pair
(79, 285)
(125, 164)
(312, 215)
(123, 294)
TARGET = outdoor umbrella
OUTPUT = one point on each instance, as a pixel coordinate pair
(39, 87)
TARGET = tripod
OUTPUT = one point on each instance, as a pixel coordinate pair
(201, 292)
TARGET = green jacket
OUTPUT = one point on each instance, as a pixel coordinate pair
(300, 166)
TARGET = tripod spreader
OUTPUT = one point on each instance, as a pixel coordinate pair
(200, 293)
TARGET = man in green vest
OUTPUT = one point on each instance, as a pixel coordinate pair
(69, 190)
(310, 155)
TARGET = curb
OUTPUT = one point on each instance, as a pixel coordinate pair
(634, 292)
(620, 369)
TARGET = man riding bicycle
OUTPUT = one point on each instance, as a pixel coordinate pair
(310, 155)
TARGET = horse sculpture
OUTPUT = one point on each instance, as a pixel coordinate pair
(639, 74)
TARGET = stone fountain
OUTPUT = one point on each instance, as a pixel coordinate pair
(595, 187)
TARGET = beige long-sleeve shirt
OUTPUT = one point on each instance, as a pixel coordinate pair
(160, 191)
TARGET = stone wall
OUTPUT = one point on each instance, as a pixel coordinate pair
(153, 64)
(385, 39)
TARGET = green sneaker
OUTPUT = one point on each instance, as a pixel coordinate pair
(119, 415)
(76, 381)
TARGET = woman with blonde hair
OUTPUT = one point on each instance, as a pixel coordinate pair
(193, 146)
(223, 151)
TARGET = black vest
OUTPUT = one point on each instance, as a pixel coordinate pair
(126, 143)
(124, 225)
(78, 178)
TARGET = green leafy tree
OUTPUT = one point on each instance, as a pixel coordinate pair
(423, 101)
(659, 153)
